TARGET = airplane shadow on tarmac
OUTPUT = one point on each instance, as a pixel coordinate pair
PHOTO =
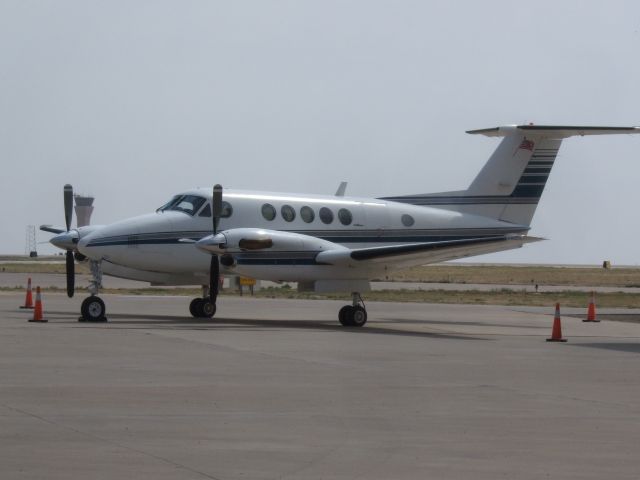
(218, 323)
(618, 347)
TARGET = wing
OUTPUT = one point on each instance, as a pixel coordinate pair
(401, 256)
(258, 243)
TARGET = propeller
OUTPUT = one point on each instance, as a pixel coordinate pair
(214, 268)
(70, 264)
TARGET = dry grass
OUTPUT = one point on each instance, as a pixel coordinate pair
(567, 298)
(41, 267)
(520, 275)
(440, 273)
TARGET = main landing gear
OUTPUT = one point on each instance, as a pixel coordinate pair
(354, 315)
(93, 308)
(202, 307)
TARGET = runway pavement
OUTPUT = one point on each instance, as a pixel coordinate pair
(276, 389)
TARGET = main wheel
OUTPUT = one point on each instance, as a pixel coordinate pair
(195, 307)
(358, 316)
(93, 309)
(208, 308)
(345, 316)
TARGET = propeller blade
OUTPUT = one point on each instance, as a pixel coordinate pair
(216, 206)
(68, 205)
(71, 274)
(214, 280)
(52, 229)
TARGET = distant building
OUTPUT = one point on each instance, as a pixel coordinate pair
(84, 209)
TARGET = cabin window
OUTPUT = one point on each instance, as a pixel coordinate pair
(307, 214)
(345, 216)
(407, 220)
(326, 215)
(288, 213)
(268, 211)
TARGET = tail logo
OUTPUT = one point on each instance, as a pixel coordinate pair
(526, 145)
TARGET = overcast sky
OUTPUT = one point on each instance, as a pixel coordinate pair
(132, 101)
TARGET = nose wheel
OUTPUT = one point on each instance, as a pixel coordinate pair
(93, 310)
(354, 315)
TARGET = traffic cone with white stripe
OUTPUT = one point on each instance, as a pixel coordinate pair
(556, 331)
(28, 301)
(37, 312)
(591, 311)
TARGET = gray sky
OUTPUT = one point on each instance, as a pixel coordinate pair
(132, 101)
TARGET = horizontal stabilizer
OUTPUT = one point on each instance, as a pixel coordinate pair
(553, 131)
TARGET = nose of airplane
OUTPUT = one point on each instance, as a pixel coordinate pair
(116, 241)
(89, 252)
(66, 240)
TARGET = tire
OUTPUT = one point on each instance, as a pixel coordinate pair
(195, 307)
(207, 308)
(358, 316)
(93, 309)
(344, 316)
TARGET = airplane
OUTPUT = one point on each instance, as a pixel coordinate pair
(325, 243)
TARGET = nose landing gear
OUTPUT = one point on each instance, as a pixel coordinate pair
(354, 315)
(93, 308)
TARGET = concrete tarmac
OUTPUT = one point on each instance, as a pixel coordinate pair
(276, 389)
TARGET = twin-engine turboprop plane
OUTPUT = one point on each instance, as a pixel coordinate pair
(325, 243)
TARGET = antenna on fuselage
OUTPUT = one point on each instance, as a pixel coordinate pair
(341, 189)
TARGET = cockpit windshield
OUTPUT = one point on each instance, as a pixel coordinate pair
(168, 204)
(189, 204)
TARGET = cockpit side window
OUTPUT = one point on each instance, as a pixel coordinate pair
(206, 211)
(227, 210)
(188, 204)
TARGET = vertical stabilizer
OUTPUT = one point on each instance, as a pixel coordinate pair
(510, 184)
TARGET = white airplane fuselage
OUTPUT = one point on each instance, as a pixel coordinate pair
(156, 242)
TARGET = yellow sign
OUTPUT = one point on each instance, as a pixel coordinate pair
(247, 281)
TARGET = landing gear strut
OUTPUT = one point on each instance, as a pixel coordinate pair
(354, 315)
(202, 307)
(93, 308)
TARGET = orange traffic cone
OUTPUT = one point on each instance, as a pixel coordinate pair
(591, 311)
(556, 332)
(28, 301)
(37, 312)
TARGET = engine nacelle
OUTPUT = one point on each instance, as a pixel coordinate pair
(247, 239)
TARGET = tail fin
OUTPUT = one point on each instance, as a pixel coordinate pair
(511, 183)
